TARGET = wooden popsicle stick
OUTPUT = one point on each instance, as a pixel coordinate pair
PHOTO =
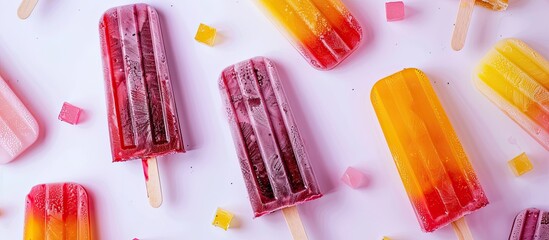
(462, 23)
(152, 181)
(294, 223)
(462, 229)
(26, 7)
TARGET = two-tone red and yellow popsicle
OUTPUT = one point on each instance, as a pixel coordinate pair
(323, 31)
(57, 211)
(437, 175)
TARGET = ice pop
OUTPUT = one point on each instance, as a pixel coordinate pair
(323, 31)
(273, 160)
(516, 78)
(18, 128)
(141, 110)
(57, 211)
(531, 224)
(438, 178)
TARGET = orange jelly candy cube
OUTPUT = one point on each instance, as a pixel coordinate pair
(521, 164)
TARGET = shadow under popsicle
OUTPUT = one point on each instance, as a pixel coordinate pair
(478, 39)
(172, 165)
(456, 107)
(319, 164)
(46, 9)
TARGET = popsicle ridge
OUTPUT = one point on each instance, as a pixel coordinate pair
(141, 108)
(516, 79)
(272, 156)
(530, 224)
(325, 32)
(434, 168)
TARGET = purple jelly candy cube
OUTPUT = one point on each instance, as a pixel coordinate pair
(395, 11)
(353, 177)
(69, 113)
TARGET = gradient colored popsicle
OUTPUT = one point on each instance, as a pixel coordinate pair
(497, 5)
(142, 115)
(272, 157)
(516, 78)
(530, 224)
(438, 178)
(18, 128)
(323, 31)
(57, 211)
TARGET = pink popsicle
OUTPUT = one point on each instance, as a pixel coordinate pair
(18, 128)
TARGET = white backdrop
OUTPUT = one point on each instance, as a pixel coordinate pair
(54, 57)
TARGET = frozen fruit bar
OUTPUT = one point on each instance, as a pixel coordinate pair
(272, 157)
(516, 78)
(57, 211)
(141, 110)
(436, 173)
(18, 128)
(323, 31)
(530, 224)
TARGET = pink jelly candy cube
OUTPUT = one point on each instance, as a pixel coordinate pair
(353, 177)
(395, 11)
(69, 113)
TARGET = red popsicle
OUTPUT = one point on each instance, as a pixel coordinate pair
(142, 115)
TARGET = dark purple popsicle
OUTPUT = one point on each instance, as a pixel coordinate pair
(271, 152)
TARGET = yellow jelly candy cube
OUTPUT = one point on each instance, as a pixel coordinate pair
(222, 218)
(205, 34)
(386, 238)
(521, 164)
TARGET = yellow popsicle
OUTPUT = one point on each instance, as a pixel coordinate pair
(516, 78)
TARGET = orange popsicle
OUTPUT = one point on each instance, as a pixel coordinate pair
(436, 173)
